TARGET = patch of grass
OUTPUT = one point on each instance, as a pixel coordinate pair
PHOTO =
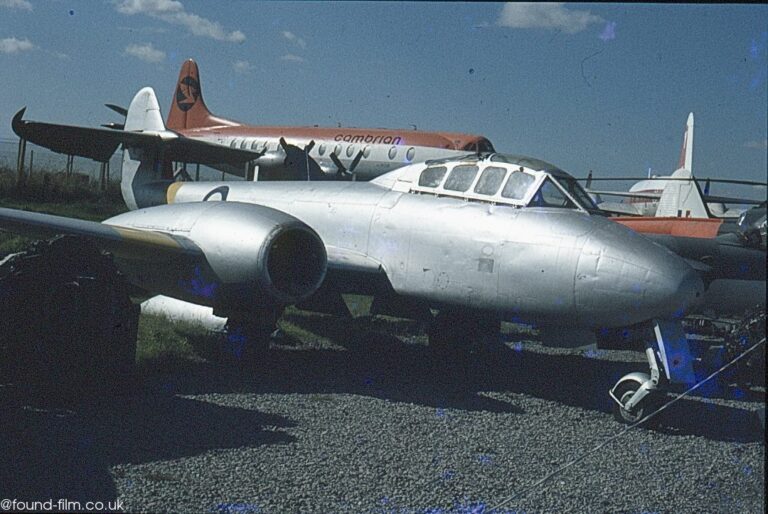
(57, 194)
(11, 243)
(84, 210)
(46, 186)
(164, 346)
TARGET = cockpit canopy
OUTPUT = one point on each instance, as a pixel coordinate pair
(479, 145)
(497, 178)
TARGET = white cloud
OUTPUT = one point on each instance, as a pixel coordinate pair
(146, 52)
(172, 11)
(525, 15)
(11, 45)
(292, 58)
(243, 66)
(16, 4)
(293, 38)
(759, 145)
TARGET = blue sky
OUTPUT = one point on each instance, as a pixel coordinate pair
(605, 87)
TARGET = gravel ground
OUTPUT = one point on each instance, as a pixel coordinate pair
(376, 423)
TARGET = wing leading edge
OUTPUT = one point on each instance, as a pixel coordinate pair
(123, 242)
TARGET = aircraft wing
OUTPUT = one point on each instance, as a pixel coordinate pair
(122, 242)
(628, 194)
(657, 196)
(100, 143)
(725, 199)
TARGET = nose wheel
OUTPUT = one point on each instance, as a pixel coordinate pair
(636, 395)
(623, 393)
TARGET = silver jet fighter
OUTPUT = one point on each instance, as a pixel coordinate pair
(481, 239)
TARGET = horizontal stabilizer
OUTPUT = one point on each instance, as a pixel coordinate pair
(100, 143)
(93, 143)
(119, 110)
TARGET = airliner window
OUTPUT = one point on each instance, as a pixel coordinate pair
(549, 195)
(255, 145)
(337, 150)
(431, 177)
(233, 144)
(490, 180)
(350, 150)
(461, 178)
(367, 151)
(517, 185)
(410, 153)
(393, 152)
(321, 150)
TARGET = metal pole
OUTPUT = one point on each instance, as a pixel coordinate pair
(103, 176)
(20, 161)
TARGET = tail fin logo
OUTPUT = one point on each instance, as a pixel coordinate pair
(187, 93)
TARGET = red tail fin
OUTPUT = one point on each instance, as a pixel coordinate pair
(188, 109)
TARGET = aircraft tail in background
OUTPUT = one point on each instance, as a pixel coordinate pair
(686, 152)
(188, 109)
(682, 198)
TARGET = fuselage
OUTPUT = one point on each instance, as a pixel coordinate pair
(383, 150)
(543, 264)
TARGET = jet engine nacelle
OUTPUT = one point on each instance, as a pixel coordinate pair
(231, 256)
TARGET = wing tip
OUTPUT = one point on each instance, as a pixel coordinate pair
(17, 124)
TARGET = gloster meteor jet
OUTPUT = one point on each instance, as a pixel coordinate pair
(480, 239)
(194, 135)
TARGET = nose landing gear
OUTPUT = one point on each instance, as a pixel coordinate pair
(636, 395)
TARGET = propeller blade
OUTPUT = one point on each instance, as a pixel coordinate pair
(309, 146)
(340, 169)
(589, 180)
(356, 161)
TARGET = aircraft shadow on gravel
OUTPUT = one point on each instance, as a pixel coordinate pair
(379, 364)
(61, 453)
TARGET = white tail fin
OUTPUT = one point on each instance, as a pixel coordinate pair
(681, 198)
(686, 152)
(144, 112)
(141, 165)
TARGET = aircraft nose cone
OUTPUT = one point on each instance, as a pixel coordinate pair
(624, 278)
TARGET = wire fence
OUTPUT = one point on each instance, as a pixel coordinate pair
(39, 159)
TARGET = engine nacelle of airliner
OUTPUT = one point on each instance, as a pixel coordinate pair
(232, 256)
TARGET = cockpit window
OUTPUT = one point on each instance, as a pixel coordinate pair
(461, 178)
(575, 190)
(431, 177)
(549, 195)
(517, 185)
(490, 180)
